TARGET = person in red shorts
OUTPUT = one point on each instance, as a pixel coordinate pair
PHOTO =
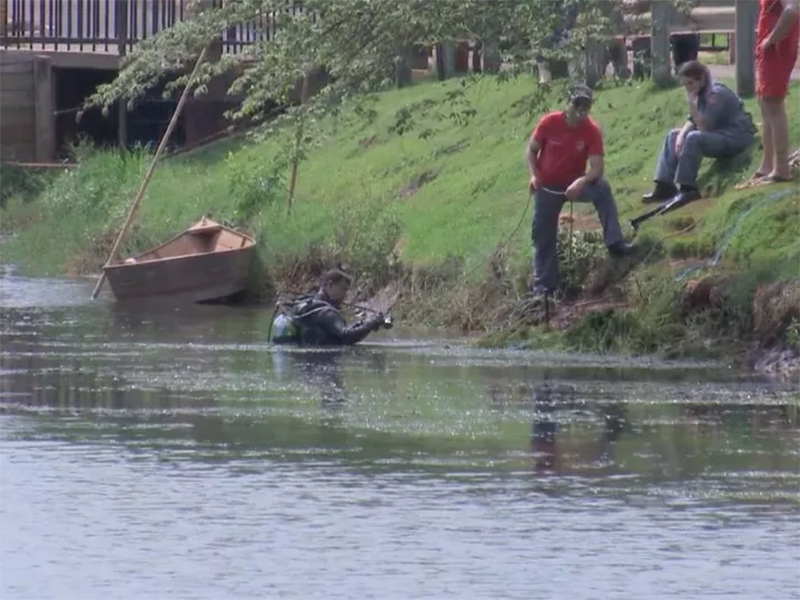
(778, 36)
(558, 150)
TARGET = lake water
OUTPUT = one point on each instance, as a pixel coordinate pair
(176, 454)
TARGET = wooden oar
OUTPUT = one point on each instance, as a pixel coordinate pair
(149, 175)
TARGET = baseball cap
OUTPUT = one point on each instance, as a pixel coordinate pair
(577, 92)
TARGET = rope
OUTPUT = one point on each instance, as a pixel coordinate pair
(505, 242)
(508, 239)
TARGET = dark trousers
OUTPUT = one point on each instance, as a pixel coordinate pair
(547, 207)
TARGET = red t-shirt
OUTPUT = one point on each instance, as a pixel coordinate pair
(564, 149)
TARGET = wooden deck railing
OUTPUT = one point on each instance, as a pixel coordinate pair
(108, 26)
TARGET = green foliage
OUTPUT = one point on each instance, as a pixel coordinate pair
(366, 233)
(579, 256)
(652, 324)
(99, 183)
(603, 331)
(253, 183)
(16, 182)
(359, 42)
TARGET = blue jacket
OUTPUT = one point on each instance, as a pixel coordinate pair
(723, 111)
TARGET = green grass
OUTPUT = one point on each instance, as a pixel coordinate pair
(444, 190)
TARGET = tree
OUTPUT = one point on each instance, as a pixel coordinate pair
(358, 43)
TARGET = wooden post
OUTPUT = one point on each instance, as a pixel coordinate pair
(731, 48)
(449, 59)
(149, 175)
(402, 67)
(122, 123)
(659, 40)
(304, 93)
(445, 60)
(44, 115)
(121, 8)
(476, 57)
(746, 18)
(438, 61)
(491, 57)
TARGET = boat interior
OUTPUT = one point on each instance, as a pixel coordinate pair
(199, 239)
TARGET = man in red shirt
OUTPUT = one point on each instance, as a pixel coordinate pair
(557, 154)
(778, 36)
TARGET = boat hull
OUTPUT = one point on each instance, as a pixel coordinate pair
(206, 262)
(193, 278)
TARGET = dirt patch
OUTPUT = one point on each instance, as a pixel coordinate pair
(571, 313)
(415, 184)
(704, 293)
(559, 316)
(775, 306)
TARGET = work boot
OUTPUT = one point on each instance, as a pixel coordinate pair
(687, 194)
(620, 249)
(663, 190)
(538, 293)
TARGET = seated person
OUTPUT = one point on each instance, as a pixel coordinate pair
(718, 126)
(320, 322)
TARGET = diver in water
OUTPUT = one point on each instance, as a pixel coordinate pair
(318, 321)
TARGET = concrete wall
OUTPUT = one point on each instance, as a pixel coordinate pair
(27, 122)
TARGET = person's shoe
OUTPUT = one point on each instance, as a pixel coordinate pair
(621, 249)
(686, 195)
(663, 190)
(538, 292)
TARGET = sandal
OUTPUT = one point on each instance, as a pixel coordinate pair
(755, 179)
(770, 179)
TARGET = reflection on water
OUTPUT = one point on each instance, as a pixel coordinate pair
(173, 453)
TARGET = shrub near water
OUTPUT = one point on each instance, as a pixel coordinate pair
(76, 212)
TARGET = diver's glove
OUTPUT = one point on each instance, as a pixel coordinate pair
(376, 322)
(382, 321)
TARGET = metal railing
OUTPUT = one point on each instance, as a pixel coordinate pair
(85, 25)
(111, 26)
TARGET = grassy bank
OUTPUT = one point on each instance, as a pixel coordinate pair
(429, 194)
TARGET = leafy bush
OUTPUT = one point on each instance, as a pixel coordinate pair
(579, 256)
(366, 233)
(101, 182)
(253, 183)
(17, 182)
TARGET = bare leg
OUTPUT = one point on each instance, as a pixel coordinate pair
(767, 138)
(780, 138)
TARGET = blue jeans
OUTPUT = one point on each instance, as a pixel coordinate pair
(697, 144)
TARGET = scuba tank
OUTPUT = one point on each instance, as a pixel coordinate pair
(286, 324)
(285, 329)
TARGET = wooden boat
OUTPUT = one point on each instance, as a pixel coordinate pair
(206, 262)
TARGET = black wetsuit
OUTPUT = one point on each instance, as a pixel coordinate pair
(321, 324)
